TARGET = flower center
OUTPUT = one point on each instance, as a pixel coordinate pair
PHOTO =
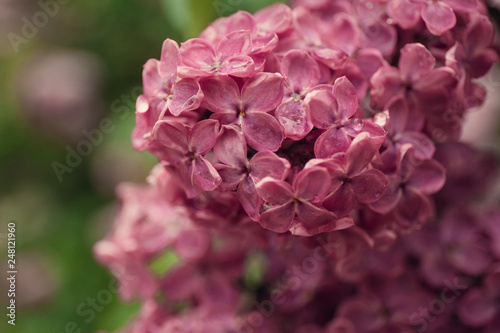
(296, 97)
(243, 113)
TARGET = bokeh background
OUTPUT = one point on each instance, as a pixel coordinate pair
(70, 71)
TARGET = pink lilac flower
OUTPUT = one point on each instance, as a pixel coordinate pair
(229, 57)
(238, 172)
(332, 109)
(247, 107)
(352, 181)
(416, 79)
(296, 205)
(301, 176)
(185, 148)
(409, 187)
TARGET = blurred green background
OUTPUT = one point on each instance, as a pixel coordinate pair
(65, 67)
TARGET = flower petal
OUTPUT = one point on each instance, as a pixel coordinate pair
(476, 308)
(262, 131)
(313, 217)
(230, 147)
(438, 17)
(247, 194)
(263, 92)
(204, 175)
(295, 119)
(413, 209)
(415, 62)
(429, 177)
(187, 96)
(276, 192)
(311, 184)
(300, 69)
(346, 96)
(341, 202)
(203, 136)
(197, 53)
(276, 18)
(360, 153)
(333, 141)
(240, 66)
(221, 94)
(268, 164)
(404, 13)
(151, 78)
(278, 219)
(231, 176)
(235, 43)
(369, 186)
(170, 59)
(172, 134)
(322, 107)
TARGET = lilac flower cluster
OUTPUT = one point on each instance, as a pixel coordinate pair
(299, 151)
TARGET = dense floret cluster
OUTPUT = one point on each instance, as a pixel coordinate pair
(301, 185)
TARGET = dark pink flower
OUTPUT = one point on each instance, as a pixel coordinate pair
(296, 205)
(417, 80)
(184, 150)
(409, 187)
(333, 110)
(230, 57)
(352, 181)
(238, 172)
(249, 107)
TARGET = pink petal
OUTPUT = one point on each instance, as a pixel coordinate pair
(404, 13)
(482, 63)
(295, 119)
(322, 107)
(240, 66)
(344, 33)
(413, 208)
(369, 186)
(187, 96)
(231, 176)
(438, 17)
(369, 60)
(429, 177)
(439, 77)
(342, 201)
(398, 115)
(262, 131)
(476, 308)
(151, 78)
(204, 175)
(415, 62)
(247, 194)
(300, 69)
(203, 136)
(170, 59)
(311, 184)
(462, 5)
(267, 164)
(172, 134)
(278, 219)
(333, 141)
(276, 18)
(276, 192)
(472, 259)
(388, 201)
(230, 147)
(197, 53)
(263, 92)
(306, 24)
(424, 146)
(221, 94)
(346, 96)
(386, 83)
(226, 118)
(235, 43)
(478, 35)
(313, 217)
(360, 153)
(334, 59)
